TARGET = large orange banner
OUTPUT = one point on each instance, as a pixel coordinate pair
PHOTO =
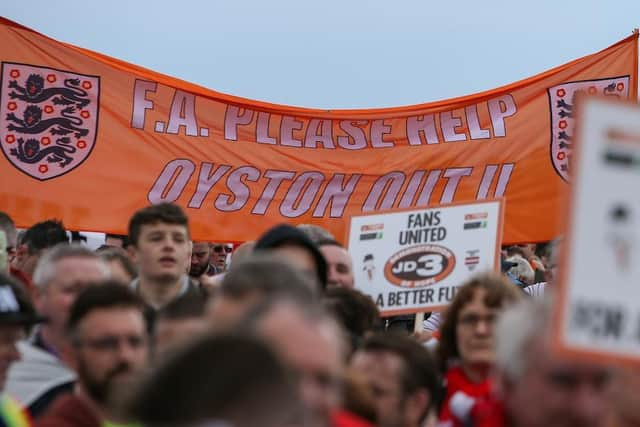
(89, 139)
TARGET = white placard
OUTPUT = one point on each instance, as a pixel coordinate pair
(413, 260)
(599, 304)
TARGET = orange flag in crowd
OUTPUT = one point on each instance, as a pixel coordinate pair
(89, 139)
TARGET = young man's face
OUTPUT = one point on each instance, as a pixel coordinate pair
(162, 252)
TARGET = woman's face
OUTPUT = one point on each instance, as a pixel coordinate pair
(474, 331)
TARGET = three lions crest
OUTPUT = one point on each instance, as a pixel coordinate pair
(562, 108)
(48, 118)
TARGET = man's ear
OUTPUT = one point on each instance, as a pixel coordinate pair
(22, 251)
(39, 295)
(132, 252)
(416, 405)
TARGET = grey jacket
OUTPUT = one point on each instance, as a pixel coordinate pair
(37, 373)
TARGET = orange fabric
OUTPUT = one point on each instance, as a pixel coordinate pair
(239, 166)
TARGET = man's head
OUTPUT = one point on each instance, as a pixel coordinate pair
(160, 245)
(402, 377)
(514, 250)
(221, 255)
(554, 249)
(296, 248)
(16, 315)
(109, 342)
(356, 312)
(626, 397)
(8, 226)
(521, 273)
(200, 259)
(179, 322)
(116, 240)
(120, 265)
(254, 280)
(312, 344)
(35, 241)
(339, 264)
(316, 233)
(62, 273)
(230, 379)
(242, 252)
(540, 388)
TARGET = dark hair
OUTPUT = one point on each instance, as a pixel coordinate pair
(543, 249)
(355, 311)
(167, 213)
(77, 237)
(419, 368)
(499, 291)
(228, 377)
(44, 235)
(24, 314)
(515, 250)
(357, 397)
(186, 307)
(124, 238)
(103, 295)
(268, 275)
(111, 253)
(286, 235)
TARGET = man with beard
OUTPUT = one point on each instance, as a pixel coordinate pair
(41, 376)
(109, 343)
(402, 377)
(201, 261)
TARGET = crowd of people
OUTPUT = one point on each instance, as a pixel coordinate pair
(153, 329)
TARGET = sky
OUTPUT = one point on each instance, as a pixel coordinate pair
(337, 54)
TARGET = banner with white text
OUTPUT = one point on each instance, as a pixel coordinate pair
(89, 139)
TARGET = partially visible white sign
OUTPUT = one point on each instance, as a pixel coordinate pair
(599, 304)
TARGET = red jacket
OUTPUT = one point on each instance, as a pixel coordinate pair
(469, 404)
(347, 419)
(69, 411)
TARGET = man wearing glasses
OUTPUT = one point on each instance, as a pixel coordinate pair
(220, 254)
(109, 346)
